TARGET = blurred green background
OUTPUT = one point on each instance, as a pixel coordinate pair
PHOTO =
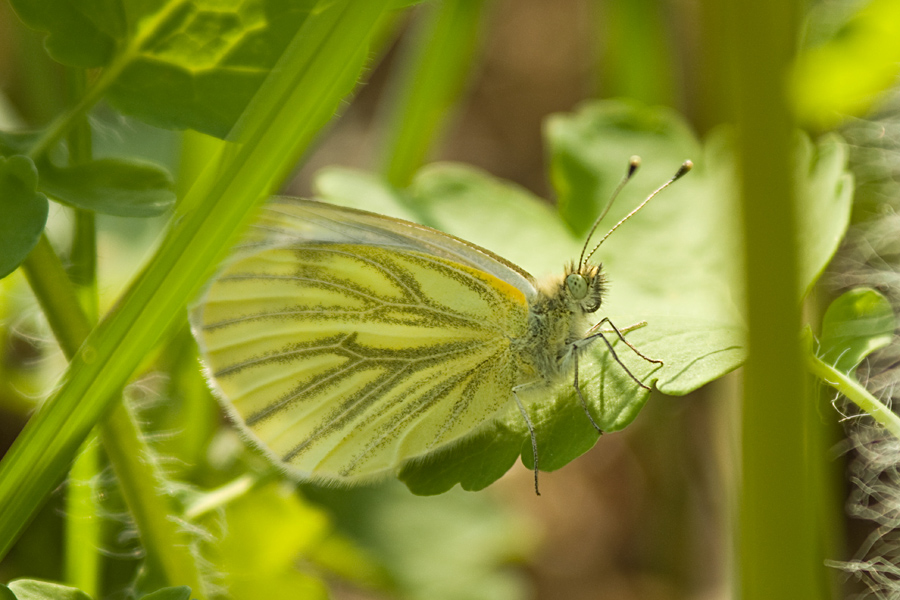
(646, 514)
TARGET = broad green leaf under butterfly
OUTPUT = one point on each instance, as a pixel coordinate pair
(675, 265)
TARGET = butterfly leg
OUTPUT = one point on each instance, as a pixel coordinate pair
(623, 330)
(581, 397)
(586, 341)
(627, 343)
(533, 437)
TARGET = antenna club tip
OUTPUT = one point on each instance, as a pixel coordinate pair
(633, 163)
(683, 169)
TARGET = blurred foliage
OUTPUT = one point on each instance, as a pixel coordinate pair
(846, 73)
(646, 514)
(856, 324)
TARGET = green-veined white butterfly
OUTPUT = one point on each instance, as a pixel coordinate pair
(347, 342)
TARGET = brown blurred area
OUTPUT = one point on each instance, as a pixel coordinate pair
(640, 516)
(536, 60)
(644, 515)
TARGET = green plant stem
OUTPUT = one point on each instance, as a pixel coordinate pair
(83, 526)
(223, 495)
(855, 392)
(779, 546)
(142, 485)
(441, 53)
(319, 68)
(59, 300)
(167, 544)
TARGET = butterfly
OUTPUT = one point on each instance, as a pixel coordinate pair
(345, 342)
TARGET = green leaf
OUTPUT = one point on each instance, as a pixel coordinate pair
(177, 65)
(824, 199)
(589, 151)
(81, 33)
(111, 186)
(6, 593)
(475, 462)
(563, 431)
(847, 74)
(125, 187)
(17, 142)
(121, 186)
(675, 265)
(182, 592)
(32, 589)
(24, 211)
(856, 324)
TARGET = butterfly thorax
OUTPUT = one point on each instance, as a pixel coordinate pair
(558, 315)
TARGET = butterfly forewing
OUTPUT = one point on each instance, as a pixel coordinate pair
(286, 219)
(346, 359)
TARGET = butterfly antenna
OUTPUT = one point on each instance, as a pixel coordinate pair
(633, 163)
(682, 170)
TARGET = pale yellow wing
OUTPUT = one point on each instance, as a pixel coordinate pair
(343, 360)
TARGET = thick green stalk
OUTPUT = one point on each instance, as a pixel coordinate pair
(83, 525)
(317, 70)
(779, 548)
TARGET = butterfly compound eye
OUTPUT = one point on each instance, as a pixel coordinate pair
(577, 285)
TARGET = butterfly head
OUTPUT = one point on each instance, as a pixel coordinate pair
(584, 286)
